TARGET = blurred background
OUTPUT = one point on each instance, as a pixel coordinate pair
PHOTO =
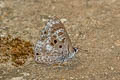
(93, 26)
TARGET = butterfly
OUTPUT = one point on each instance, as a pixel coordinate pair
(54, 44)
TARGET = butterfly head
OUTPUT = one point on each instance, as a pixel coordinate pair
(75, 50)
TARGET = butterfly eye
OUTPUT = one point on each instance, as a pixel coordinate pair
(75, 49)
(55, 41)
(60, 46)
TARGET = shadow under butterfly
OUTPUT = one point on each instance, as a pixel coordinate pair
(54, 45)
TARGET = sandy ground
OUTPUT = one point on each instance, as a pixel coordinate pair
(93, 26)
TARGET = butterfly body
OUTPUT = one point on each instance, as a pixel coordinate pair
(54, 45)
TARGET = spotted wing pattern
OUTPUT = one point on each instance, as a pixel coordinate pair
(54, 45)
